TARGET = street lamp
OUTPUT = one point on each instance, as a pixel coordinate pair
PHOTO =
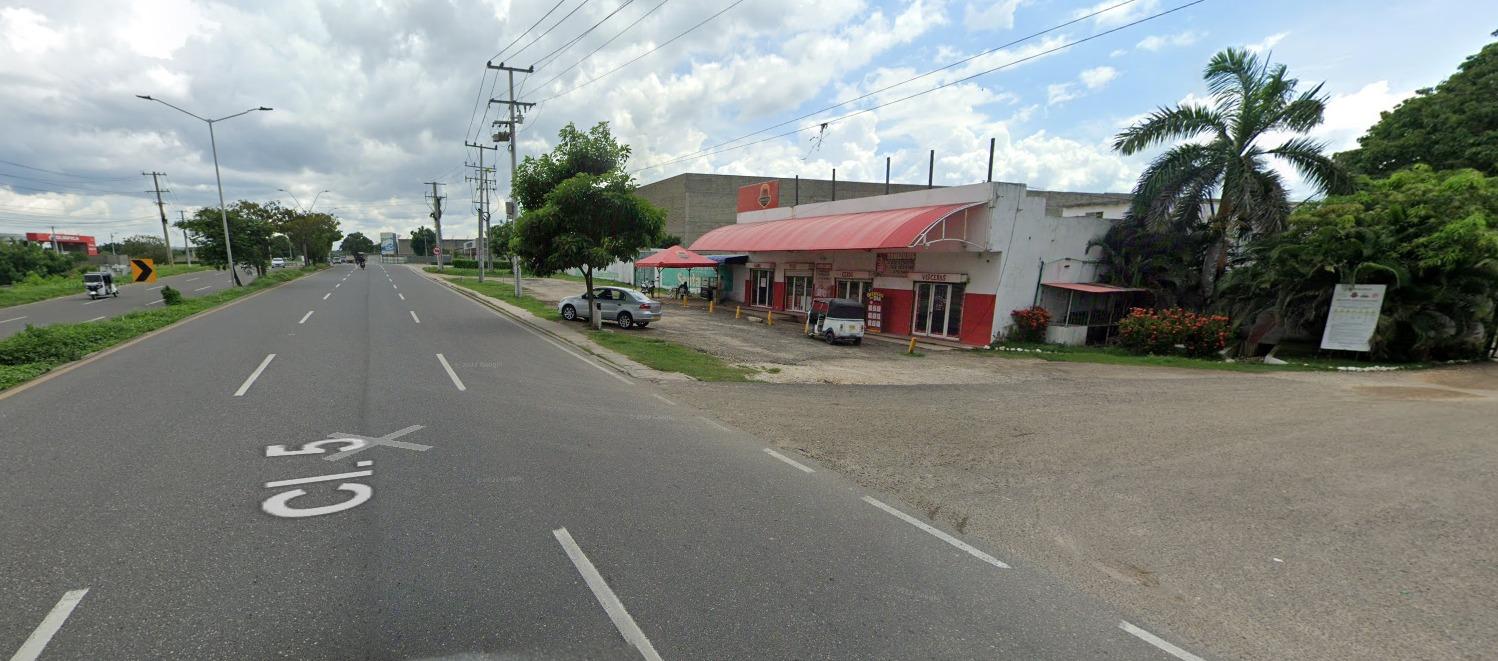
(222, 210)
(299, 203)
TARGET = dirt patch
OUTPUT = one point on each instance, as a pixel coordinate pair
(1467, 378)
(1412, 392)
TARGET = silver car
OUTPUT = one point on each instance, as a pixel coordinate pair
(625, 307)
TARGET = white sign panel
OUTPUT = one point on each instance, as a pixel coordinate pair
(1354, 316)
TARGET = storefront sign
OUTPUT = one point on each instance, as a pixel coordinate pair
(823, 286)
(895, 264)
(855, 275)
(763, 195)
(939, 277)
(800, 266)
(763, 266)
(874, 314)
(1354, 316)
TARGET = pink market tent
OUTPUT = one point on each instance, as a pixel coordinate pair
(675, 257)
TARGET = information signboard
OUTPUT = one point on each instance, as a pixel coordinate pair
(1353, 318)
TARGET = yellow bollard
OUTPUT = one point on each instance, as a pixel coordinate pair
(769, 317)
(911, 349)
(710, 306)
(738, 312)
(806, 325)
(683, 301)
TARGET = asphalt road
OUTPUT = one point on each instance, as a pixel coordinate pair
(78, 308)
(558, 511)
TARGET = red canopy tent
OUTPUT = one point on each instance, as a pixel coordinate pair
(675, 257)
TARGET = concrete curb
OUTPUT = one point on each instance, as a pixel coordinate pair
(608, 357)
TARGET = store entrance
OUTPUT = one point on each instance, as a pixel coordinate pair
(938, 309)
(760, 288)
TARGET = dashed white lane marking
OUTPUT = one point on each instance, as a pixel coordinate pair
(403, 296)
(606, 597)
(804, 468)
(155, 288)
(96, 318)
(96, 301)
(155, 302)
(1159, 642)
(395, 285)
(717, 424)
(12, 319)
(414, 317)
(304, 317)
(202, 288)
(662, 398)
(32, 648)
(191, 279)
(939, 534)
(337, 285)
(450, 373)
(325, 296)
(245, 387)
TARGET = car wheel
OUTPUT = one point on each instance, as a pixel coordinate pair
(625, 320)
(831, 337)
(569, 313)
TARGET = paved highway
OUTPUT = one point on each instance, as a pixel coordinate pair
(78, 308)
(364, 464)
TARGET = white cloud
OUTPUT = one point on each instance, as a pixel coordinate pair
(1060, 93)
(1119, 15)
(990, 14)
(1157, 42)
(1119, 52)
(1268, 43)
(1097, 77)
(1348, 116)
(159, 28)
(26, 31)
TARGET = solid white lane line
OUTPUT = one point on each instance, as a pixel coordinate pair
(803, 467)
(317, 478)
(96, 301)
(1161, 643)
(156, 302)
(662, 398)
(403, 296)
(414, 317)
(13, 319)
(32, 648)
(939, 534)
(606, 597)
(245, 387)
(325, 296)
(155, 288)
(304, 317)
(191, 279)
(717, 424)
(202, 288)
(450, 373)
(96, 318)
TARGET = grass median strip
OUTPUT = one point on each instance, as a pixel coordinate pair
(34, 351)
(669, 356)
(41, 289)
(505, 291)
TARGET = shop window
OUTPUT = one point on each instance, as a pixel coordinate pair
(798, 292)
(761, 286)
(857, 290)
(938, 309)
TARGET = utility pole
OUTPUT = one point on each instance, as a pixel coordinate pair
(481, 243)
(514, 125)
(55, 249)
(436, 219)
(165, 236)
(112, 250)
(186, 246)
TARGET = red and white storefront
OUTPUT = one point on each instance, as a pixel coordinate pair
(65, 242)
(947, 263)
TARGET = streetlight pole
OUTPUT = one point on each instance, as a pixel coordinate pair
(223, 211)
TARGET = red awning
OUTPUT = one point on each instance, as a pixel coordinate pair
(1092, 287)
(675, 257)
(895, 228)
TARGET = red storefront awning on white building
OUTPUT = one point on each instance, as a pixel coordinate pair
(868, 230)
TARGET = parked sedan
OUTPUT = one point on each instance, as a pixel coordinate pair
(625, 307)
(277, 263)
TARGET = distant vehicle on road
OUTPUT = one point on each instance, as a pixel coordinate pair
(101, 284)
(277, 263)
(836, 320)
(626, 307)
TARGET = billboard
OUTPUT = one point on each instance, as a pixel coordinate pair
(763, 195)
(388, 244)
(1353, 318)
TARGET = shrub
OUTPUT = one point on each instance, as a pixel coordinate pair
(1030, 324)
(1173, 331)
(465, 263)
(171, 296)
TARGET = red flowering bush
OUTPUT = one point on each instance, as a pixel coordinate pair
(1173, 331)
(1030, 324)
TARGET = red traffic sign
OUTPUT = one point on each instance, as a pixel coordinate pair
(436, 250)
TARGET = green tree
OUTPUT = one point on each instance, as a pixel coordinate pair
(280, 246)
(1218, 166)
(356, 242)
(1431, 237)
(145, 246)
(250, 227)
(312, 233)
(499, 240)
(580, 210)
(666, 241)
(1454, 125)
(422, 240)
(19, 260)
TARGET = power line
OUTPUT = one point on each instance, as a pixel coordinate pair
(548, 30)
(911, 79)
(69, 192)
(642, 55)
(605, 44)
(527, 31)
(545, 59)
(65, 174)
(925, 92)
(64, 185)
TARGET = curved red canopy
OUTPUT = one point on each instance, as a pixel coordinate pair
(868, 230)
(675, 257)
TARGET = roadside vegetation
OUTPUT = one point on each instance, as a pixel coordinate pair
(36, 350)
(669, 356)
(30, 281)
(1113, 355)
(504, 291)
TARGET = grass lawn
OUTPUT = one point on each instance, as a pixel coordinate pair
(1116, 356)
(505, 291)
(34, 351)
(598, 281)
(68, 285)
(670, 357)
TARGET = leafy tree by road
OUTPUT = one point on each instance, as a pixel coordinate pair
(19, 260)
(1219, 168)
(422, 240)
(312, 233)
(250, 228)
(145, 246)
(580, 210)
(499, 240)
(357, 242)
(1453, 126)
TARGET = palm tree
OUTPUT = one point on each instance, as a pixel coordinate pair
(1218, 167)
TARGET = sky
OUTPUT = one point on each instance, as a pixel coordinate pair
(371, 100)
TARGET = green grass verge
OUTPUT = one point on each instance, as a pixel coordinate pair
(34, 351)
(69, 285)
(669, 356)
(597, 281)
(469, 273)
(1116, 356)
(505, 291)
